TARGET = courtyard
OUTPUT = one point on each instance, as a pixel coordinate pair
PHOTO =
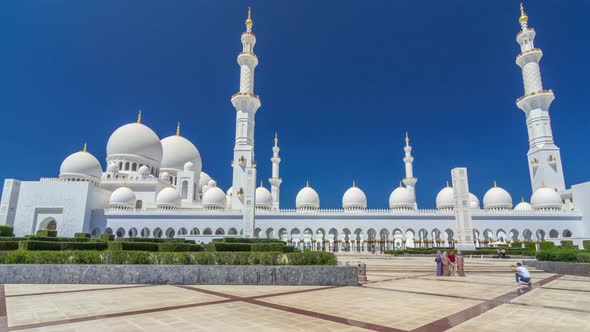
(402, 294)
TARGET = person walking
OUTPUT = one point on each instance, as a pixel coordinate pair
(439, 267)
(451, 263)
(445, 264)
(460, 264)
(522, 274)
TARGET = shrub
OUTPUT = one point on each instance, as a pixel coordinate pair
(138, 246)
(12, 238)
(557, 255)
(394, 252)
(195, 247)
(583, 257)
(287, 249)
(56, 239)
(586, 244)
(46, 232)
(38, 245)
(82, 235)
(567, 244)
(6, 230)
(157, 240)
(311, 258)
(223, 246)
(107, 237)
(248, 240)
(8, 245)
(546, 245)
(45, 245)
(516, 244)
(174, 247)
(267, 247)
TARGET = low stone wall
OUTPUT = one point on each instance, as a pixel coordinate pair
(577, 269)
(179, 274)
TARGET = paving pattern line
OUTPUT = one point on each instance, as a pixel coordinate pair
(3, 311)
(80, 290)
(396, 278)
(463, 316)
(335, 319)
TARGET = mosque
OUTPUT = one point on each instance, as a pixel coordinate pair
(157, 188)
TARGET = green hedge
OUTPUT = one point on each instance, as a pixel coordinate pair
(6, 230)
(248, 240)
(56, 239)
(567, 244)
(564, 255)
(267, 247)
(8, 245)
(12, 238)
(46, 232)
(107, 237)
(583, 258)
(394, 252)
(45, 245)
(144, 257)
(586, 244)
(223, 246)
(516, 244)
(156, 240)
(546, 245)
(140, 246)
(82, 235)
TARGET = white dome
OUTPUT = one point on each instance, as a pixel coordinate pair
(212, 183)
(165, 176)
(307, 198)
(445, 198)
(144, 170)
(401, 198)
(230, 191)
(214, 198)
(135, 139)
(189, 166)
(263, 198)
(123, 197)
(168, 197)
(113, 167)
(473, 201)
(177, 151)
(523, 206)
(546, 198)
(497, 198)
(204, 178)
(354, 198)
(80, 164)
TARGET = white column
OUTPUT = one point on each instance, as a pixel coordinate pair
(275, 180)
(246, 104)
(463, 222)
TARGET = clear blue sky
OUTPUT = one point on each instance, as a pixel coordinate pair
(341, 81)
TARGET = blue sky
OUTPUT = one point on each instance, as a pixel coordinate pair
(341, 81)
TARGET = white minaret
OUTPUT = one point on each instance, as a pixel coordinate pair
(543, 156)
(246, 104)
(410, 180)
(275, 180)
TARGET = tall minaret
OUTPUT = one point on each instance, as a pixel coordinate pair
(246, 104)
(543, 156)
(275, 180)
(410, 180)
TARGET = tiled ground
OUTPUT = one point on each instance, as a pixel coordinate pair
(402, 295)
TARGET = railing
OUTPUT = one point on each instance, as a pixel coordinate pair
(529, 51)
(534, 93)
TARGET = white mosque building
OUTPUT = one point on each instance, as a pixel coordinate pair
(156, 187)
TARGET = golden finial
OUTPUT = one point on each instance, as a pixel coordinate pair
(261, 184)
(249, 20)
(307, 183)
(495, 185)
(522, 201)
(407, 139)
(178, 128)
(400, 184)
(85, 149)
(139, 116)
(447, 183)
(353, 184)
(523, 17)
(276, 138)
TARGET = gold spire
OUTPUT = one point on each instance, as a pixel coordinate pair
(495, 185)
(522, 201)
(261, 186)
(139, 116)
(353, 184)
(249, 21)
(400, 184)
(307, 183)
(447, 183)
(178, 129)
(85, 149)
(276, 138)
(523, 17)
(407, 139)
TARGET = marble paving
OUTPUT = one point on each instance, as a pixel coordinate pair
(402, 294)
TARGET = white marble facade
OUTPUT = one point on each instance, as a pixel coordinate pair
(154, 187)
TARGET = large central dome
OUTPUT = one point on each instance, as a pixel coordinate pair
(177, 151)
(135, 139)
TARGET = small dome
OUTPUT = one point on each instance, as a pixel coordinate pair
(354, 198)
(445, 198)
(307, 198)
(188, 166)
(214, 198)
(212, 183)
(401, 198)
(497, 198)
(523, 206)
(144, 170)
(113, 167)
(473, 201)
(204, 178)
(135, 139)
(230, 191)
(177, 151)
(81, 164)
(165, 176)
(123, 197)
(204, 189)
(546, 198)
(263, 198)
(168, 197)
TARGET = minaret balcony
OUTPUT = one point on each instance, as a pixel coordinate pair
(532, 55)
(525, 32)
(539, 99)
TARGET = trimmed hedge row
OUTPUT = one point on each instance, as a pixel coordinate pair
(82, 235)
(8, 245)
(546, 245)
(46, 232)
(586, 244)
(106, 237)
(248, 240)
(6, 230)
(56, 239)
(46, 245)
(156, 240)
(564, 255)
(148, 246)
(567, 244)
(184, 258)
(256, 247)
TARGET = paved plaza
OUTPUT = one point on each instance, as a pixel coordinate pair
(402, 294)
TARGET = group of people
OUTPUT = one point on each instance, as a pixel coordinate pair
(447, 264)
